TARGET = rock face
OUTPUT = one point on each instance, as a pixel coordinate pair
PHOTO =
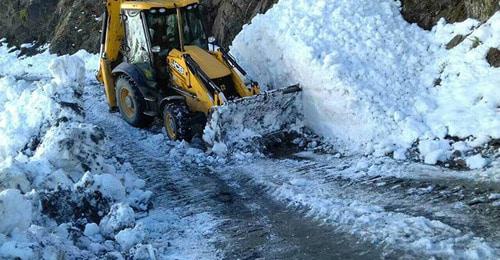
(493, 57)
(70, 25)
(227, 17)
(426, 13)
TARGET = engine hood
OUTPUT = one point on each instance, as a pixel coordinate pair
(208, 63)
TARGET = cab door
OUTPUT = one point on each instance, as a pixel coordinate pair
(137, 50)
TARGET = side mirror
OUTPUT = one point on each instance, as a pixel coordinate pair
(212, 43)
(212, 40)
(156, 49)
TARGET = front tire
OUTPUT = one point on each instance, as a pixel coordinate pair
(131, 103)
(177, 122)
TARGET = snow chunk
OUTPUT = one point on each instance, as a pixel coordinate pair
(107, 184)
(129, 237)
(16, 250)
(92, 231)
(219, 149)
(15, 211)
(110, 186)
(121, 216)
(476, 162)
(68, 70)
(13, 177)
(434, 151)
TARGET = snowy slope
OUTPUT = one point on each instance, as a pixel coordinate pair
(369, 76)
(467, 100)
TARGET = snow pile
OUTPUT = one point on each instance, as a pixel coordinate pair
(358, 61)
(465, 102)
(35, 67)
(56, 181)
(467, 99)
(369, 77)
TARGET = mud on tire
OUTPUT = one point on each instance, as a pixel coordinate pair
(177, 122)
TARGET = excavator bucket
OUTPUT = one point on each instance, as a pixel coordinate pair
(240, 123)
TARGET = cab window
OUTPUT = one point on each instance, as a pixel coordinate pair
(163, 29)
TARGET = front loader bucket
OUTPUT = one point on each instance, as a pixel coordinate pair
(238, 124)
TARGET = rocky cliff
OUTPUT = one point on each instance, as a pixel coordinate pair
(426, 13)
(70, 25)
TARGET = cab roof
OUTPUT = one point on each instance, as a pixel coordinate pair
(146, 5)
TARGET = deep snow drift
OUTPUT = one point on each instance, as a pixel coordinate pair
(374, 83)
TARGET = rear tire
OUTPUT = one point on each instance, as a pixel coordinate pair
(131, 103)
(177, 122)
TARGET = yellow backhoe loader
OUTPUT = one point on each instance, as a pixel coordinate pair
(155, 62)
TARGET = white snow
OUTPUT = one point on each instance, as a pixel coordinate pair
(369, 76)
(467, 98)
(68, 70)
(476, 162)
(434, 151)
(15, 212)
(121, 216)
(369, 85)
(48, 153)
(129, 237)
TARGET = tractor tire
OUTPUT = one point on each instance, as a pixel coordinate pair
(131, 103)
(177, 122)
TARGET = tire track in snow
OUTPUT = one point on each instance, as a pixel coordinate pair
(468, 204)
(367, 207)
(199, 215)
(178, 226)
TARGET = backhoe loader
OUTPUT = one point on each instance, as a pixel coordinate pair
(155, 62)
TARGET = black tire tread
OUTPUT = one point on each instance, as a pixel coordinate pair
(181, 115)
(140, 120)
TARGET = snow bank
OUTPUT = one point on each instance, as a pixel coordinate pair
(35, 67)
(359, 63)
(466, 101)
(372, 82)
(56, 182)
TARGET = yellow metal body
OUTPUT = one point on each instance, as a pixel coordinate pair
(167, 4)
(197, 95)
